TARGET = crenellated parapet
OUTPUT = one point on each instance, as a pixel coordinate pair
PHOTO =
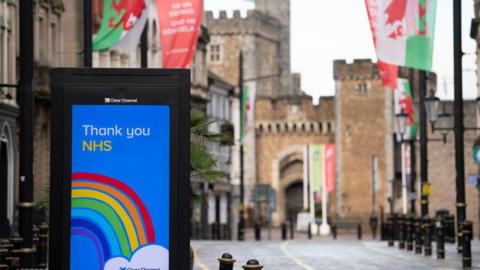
(255, 23)
(283, 128)
(359, 69)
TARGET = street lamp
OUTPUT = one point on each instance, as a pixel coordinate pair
(431, 104)
(402, 123)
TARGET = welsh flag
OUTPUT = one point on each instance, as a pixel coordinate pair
(403, 101)
(122, 24)
(388, 72)
(247, 111)
(405, 32)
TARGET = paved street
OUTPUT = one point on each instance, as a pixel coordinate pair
(325, 253)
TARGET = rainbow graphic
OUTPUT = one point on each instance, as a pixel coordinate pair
(110, 214)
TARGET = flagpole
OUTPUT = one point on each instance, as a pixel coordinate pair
(144, 47)
(404, 180)
(413, 160)
(423, 143)
(324, 227)
(87, 33)
(458, 116)
(26, 102)
(241, 224)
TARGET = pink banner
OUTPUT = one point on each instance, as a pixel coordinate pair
(330, 158)
(388, 73)
(180, 22)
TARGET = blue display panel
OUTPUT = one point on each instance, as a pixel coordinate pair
(120, 195)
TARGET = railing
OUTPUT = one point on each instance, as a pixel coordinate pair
(11, 251)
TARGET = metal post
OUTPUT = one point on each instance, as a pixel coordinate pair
(87, 33)
(409, 231)
(226, 262)
(26, 102)
(427, 239)
(144, 47)
(423, 142)
(252, 265)
(241, 224)
(413, 160)
(440, 237)
(467, 227)
(458, 116)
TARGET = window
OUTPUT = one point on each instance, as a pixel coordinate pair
(362, 88)
(53, 45)
(215, 53)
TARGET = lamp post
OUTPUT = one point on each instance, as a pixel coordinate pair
(441, 121)
(402, 124)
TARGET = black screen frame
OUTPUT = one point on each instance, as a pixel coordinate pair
(86, 86)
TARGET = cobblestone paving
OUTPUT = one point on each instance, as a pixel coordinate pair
(323, 253)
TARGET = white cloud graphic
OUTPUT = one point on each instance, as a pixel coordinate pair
(151, 257)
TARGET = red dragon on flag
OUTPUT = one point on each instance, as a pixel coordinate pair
(131, 11)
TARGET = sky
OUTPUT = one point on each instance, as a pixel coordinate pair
(325, 30)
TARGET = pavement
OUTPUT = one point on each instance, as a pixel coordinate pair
(325, 253)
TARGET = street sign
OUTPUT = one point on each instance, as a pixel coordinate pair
(476, 155)
(426, 189)
(120, 154)
(473, 180)
(476, 151)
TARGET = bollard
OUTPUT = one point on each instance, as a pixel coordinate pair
(359, 231)
(390, 232)
(284, 231)
(241, 230)
(258, 231)
(440, 237)
(409, 232)
(373, 225)
(427, 236)
(226, 262)
(42, 250)
(13, 260)
(252, 265)
(309, 231)
(334, 232)
(453, 233)
(401, 232)
(292, 229)
(467, 237)
(3, 255)
(418, 236)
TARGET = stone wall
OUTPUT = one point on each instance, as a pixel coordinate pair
(283, 128)
(257, 37)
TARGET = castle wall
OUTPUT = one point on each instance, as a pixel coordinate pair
(283, 128)
(361, 128)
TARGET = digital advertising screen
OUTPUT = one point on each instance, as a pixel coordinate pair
(120, 187)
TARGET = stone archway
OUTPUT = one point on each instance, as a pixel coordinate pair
(293, 199)
(287, 180)
(7, 186)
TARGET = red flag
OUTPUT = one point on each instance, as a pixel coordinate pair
(330, 157)
(388, 73)
(180, 22)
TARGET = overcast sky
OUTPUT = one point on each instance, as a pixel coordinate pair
(324, 30)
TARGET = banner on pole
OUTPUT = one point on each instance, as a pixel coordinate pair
(317, 166)
(122, 25)
(180, 23)
(248, 109)
(330, 159)
(403, 101)
(405, 32)
(388, 72)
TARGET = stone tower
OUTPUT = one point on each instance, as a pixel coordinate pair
(363, 133)
(280, 10)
